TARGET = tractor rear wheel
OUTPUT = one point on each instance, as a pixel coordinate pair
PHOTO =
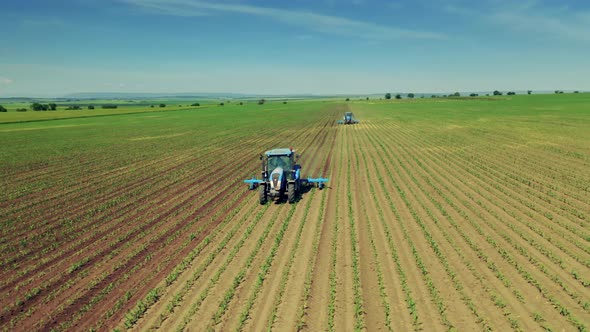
(291, 193)
(263, 195)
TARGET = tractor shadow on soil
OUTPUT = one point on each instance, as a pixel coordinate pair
(304, 190)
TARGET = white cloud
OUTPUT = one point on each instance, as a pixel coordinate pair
(304, 19)
(562, 27)
(530, 17)
(4, 80)
(169, 9)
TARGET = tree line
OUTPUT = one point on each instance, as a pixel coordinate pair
(457, 94)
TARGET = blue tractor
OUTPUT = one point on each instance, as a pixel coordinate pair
(281, 177)
(348, 119)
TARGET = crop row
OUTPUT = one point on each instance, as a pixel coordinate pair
(145, 241)
(132, 250)
(175, 171)
(541, 248)
(445, 173)
(359, 324)
(78, 246)
(178, 298)
(437, 248)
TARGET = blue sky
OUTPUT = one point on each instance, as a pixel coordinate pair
(51, 48)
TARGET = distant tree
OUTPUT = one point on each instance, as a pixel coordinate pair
(529, 92)
(152, 106)
(487, 94)
(347, 99)
(90, 107)
(21, 109)
(73, 107)
(162, 105)
(576, 91)
(557, 91)
(261, 101)
(410, 95)
(221, 104)
(456, 94)
(367, 98)
(388, 95)
(510, 93)
(2, 109)
(196, 104)
(398, 96)
(52, 106)
(241, 103)
(473, 95)
(497, 93)
(109, 106)
(284, 102)
(39, 107)
(433, 96)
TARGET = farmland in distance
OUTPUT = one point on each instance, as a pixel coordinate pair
(440, 214)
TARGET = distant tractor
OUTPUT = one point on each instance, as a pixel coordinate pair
(348, 119)
(281, 177)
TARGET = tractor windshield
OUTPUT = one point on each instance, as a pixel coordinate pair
(279, 161)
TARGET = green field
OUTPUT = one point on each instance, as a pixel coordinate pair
(118, 140)
(440, 214)
(62, 113)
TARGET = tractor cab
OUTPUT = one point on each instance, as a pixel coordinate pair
(279, 163)
(348, 117)
(283, 161)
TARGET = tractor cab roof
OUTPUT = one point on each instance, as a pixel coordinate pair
(348, 113)
(279, 152)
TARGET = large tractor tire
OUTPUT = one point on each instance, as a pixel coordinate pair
(263, 195)
(291, 193)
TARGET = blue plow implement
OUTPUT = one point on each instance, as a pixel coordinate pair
(320, 181)
(253, 183)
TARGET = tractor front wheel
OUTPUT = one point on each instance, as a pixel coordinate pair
(291, 193)
(263, 195)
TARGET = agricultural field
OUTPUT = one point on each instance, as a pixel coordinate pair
(62, 111)
(440, 214)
